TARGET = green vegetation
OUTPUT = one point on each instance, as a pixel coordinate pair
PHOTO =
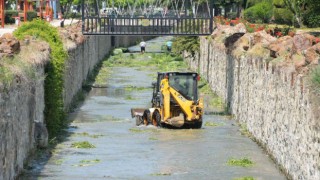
(31, 15)
(244, 130)
(158, 62)
(161, 174)
(212, 99)
(153, 139)
(245, 178)
(88, 135)
(212, 124)
(134, 130)
(54, 113)
(16, 68)
(59, 161)
(129, 97)
(182, 43)
(315, 77)
(83, 145)
(243, 162)
(134, 88)
(9, 16)
(90, 161)
(84, 163)
(259, 13)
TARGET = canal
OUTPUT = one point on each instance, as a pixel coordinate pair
(103, 142)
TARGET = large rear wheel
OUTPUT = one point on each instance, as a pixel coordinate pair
(156, 119)
(197, 125)
(146, 117)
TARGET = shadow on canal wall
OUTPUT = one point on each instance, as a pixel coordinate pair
(22, 127)
(274, 100)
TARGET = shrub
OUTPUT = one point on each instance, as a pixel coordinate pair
(54, 113)
(190, 43)
(9, 16)
(232, 15)
(282, 16)
(31, 15)
(251, 3)
(72, 16)
(278, 3)
(261, 12)
(312, 19)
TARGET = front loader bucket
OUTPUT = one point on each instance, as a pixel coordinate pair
(177, 121)
(137, 112)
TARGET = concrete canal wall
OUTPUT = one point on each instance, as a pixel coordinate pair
(274, 101)
(22, 126)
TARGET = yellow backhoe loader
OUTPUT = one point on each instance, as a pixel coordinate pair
(175, 102)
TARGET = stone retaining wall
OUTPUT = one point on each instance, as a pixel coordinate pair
(22, 105)
(274, 105)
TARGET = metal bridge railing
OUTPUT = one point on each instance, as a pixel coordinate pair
(146, 26)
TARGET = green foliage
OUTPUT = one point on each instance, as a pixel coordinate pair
(182, 43)
(83, 145)
(163, 62)
(282, 16)
(243, 162)
(312, 19)
(9, 67)
(72, 16)
(251, 3)
(31, 15)
(54, 113)
(9, 16)
(245, 178)
(278, 3)
(261, 12)
(315, 77)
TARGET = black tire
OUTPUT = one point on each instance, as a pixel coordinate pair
(156, 119)
(146, 119)
(197, 125)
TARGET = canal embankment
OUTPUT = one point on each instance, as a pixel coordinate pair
(266, 84)
(25, 67)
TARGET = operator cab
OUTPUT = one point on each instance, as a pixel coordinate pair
(185, 83)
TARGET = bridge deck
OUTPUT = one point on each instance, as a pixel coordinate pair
(146, 26)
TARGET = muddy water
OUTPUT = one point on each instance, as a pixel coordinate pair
(124, 151)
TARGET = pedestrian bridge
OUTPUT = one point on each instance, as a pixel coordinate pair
(147, 17)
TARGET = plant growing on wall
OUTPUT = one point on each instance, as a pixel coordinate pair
(187, 43)
(54, 113)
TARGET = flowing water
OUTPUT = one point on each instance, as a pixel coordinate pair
(125, 151)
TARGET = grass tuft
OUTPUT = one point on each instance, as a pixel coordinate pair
(243, 162)
(83, 145)
(245, 178)
(213, 124)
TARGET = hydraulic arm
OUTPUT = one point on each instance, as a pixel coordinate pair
(192, 110)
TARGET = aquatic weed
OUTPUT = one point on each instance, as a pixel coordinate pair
(161, 174)
(82, 144)
(90, 161)
(213, 124)
(243, 162)
(245, 178)
(244, 130)
(88, 135)
(153, 139)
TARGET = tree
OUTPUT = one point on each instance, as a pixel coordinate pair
(297, 7)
